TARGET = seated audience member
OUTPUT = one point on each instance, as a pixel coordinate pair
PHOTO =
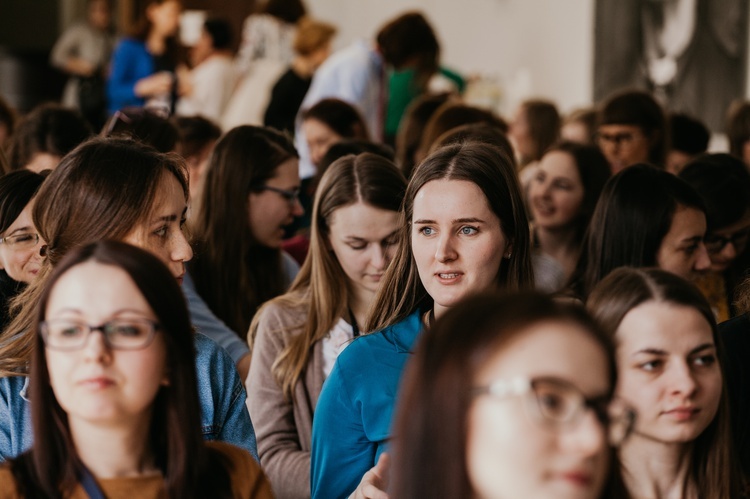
(83, 52)
(45, 135)
(297, 337)
(356, 74)
(207, 87)
(8, 121)
(463, 230)
(632, 128)
(535, 127)
(476, 132)
(670, 370)
(118, 413)
(580, 126)
(645, 217)
(328, 122)
(251, 193)
(738, 130)
(149, 126)
(20, 245)
(505, 392)
(409, 135)
(688, 138)
(312, 46)
(561, 198)
(197, 137)
(724, 184)
(735, 336)
(144, 63)
(451, 115)
(121, 190)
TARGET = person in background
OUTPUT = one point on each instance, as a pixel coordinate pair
(45, 135)
(411, 128)
(580, 126)
(632, 128)
(723, 183)
(688, 138)
(312, 46)
(535, 127)
(119, 189)
(83, 52)
(196, 138)
(645, 217)
(144, 64)
(669, 369)
(8, 120)
(356, 74)
(20, 245)
(329, 121)
(147, 125)
(738, 130)
(207, 87)
(118, 413)
(562, 196)
(297, 337)
(509, 396)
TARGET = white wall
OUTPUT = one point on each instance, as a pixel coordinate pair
(539, 48)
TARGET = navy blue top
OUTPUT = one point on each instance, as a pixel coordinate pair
(352, 420)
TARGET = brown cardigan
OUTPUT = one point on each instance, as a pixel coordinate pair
(283, 428)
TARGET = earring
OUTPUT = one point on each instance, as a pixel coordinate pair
(507, 256)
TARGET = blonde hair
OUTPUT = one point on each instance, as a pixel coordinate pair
(312, 35)
(322, 289)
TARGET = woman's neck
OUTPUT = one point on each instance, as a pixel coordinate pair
(302, 67)
(156, 43)
(113, 451)
(656, 470)
(359, 305)
(560, 244)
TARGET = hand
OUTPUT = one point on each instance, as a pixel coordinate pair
(156, 84)
(374, 482)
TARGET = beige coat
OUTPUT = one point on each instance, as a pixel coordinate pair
(283, 428)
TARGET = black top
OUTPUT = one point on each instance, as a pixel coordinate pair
(286, 98)
(9, 289)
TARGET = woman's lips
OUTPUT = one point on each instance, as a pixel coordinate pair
(682, 413)
(449, 277)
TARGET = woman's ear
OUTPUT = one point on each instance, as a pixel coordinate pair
(508, 251)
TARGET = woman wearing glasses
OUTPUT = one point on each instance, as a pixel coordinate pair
(509, 396)
(20, 260)
(463, 230)
(668, 369)
(298, 336)
(116, 409)
(251, 193)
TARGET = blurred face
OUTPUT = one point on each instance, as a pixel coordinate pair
(319, 56)
(163, 233)
(725, 244)
(457, 241)
(623, 145)
(512, 452)
(556, 191)
(668, 371)
(519, 134)
(682, 251)
(363, 238)
(96, 385)
(271, 211)
(99, 14)
(42, 161)
(164, 17)
(202, 48)
(320, 137)
(19, 253)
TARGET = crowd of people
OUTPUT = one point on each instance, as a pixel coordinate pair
(298, 274)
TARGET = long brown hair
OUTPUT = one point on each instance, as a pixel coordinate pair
(714, 467)
(430, 435)
(102, 190)
(190, 469)
(322, 288)
(233, 273)
(401, 291)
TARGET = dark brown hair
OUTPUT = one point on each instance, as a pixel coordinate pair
(543, 122)
(289, 11)
(339, 116)
(190, 469)
(409, 40)
(233, 273)
(738, 127)
(412, 126)
(431, 421)
(713, 466)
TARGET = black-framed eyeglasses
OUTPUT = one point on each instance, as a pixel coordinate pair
(292, 196)
(21, 241)
(119, 334)
(715, 243)
(557, 403)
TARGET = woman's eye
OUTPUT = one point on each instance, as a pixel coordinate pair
(358, 247)
(427, 231)
(689, 250)
(183, 221)
(705, 360)
(651, 365)
(468, 231)
(161, 231)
